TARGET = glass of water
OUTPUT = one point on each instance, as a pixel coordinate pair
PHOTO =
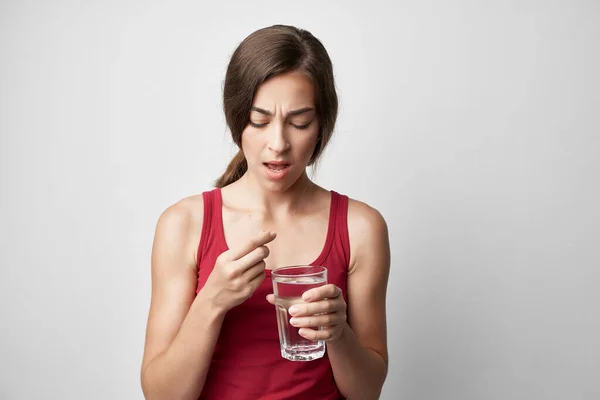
(289, 283)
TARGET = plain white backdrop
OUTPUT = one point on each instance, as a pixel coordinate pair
(471, 125)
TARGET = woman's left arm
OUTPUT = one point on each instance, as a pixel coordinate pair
(355, 333)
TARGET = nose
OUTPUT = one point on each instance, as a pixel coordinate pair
(278, 141)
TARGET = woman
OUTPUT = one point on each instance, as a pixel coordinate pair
(212, 329)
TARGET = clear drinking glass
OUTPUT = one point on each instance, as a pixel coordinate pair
(289, 283)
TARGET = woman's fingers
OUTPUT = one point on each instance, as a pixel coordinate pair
(314, 321)
(328, 291)
(271, 298)
(254, 271)
(251, 259)
(326, 333)
(250, 245)
(318, 307)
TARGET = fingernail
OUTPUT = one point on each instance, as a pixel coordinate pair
(306, 296)
(293, 321)
(293, 310)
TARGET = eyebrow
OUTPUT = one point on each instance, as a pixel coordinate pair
(290, 114)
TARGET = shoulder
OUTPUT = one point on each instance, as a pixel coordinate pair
(364, 219)
(367, 229)
(185, 213)
(179, 226)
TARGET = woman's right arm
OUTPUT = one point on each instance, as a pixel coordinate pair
(182, 328)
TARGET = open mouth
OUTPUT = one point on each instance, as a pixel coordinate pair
(277, 171)
(277, 167)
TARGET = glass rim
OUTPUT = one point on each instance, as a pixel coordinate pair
(320, 270)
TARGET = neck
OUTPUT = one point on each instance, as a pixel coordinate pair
(275, 202)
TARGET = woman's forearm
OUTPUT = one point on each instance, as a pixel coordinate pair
(359, 372)
(179, 372)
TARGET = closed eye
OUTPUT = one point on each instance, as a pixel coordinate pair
(255, 125)
(258, 125)
(302, 126)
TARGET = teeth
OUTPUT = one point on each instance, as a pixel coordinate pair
(277, 167)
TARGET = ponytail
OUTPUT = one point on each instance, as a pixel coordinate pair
(236, 168)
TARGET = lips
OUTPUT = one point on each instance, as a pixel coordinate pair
(276, 170)
(277, 167)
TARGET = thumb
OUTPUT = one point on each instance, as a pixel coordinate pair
(271, 298)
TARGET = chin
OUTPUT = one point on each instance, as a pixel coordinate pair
(278, 186)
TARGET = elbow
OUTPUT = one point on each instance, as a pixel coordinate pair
(146, 386)
(375, 395)
(152, 388)
(370, 385)
(155, 388)
(366, 392)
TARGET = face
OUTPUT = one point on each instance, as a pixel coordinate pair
(281, 135)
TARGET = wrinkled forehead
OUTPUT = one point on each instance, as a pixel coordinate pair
(285, 92)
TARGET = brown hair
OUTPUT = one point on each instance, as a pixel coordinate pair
(263, 54)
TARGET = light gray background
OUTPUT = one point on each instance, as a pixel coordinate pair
(471, 125)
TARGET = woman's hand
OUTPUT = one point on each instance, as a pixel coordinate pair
(238, 273)
(324, 307)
